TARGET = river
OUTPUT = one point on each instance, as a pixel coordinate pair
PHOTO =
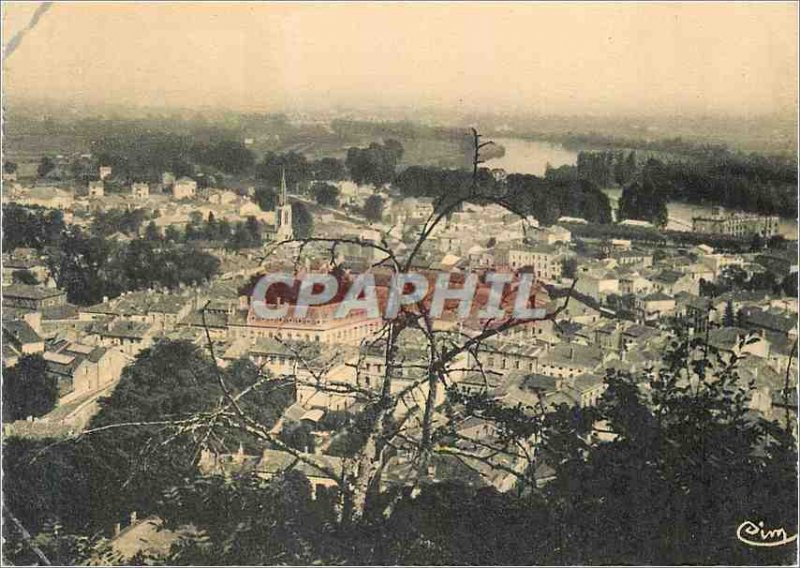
(532, 157)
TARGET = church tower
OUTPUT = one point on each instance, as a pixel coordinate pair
(283, 213)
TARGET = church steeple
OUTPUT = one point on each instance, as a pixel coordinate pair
(283, 212)
(282, 200)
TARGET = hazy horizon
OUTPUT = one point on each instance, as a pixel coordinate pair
(719, 59)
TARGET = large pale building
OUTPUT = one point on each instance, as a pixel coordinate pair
(720, 222)
(543, 258)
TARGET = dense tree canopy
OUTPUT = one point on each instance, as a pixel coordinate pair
(375, 164)
(31, 227)
(677, 462)
(326, 194)
(90, 267)
(27, 389)
(373, 208)
(643, 201)
(293, 165)
(144, 156)
(547, 200)
(127, 461)
(109, 221)
(302, 221)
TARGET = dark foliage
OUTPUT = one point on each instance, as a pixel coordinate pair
(294, 165)
(375, 164)
(373, 208)
(129, 459)
(46, 166)
(31, 227)
(90, 267)
(128, 221)
(682, 463)
(325, 194)
(302, 221)
(643, 201)
(28, 390)
(24, 277)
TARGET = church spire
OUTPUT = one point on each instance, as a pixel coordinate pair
(282, 198)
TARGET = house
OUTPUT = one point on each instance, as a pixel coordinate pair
(323, 472)
(21, 337)
(576, 310)
(95, 189)
(475, 383)
(552, 235)
(698, 271)
(33, 298)
(103, 172)
(717, 261)
(637, 337)
(416, 208)
(128, 336)
(654, 306)
(350, 193)
(501, 356)
(29, 262)
(620, 245)
(634, 283)
(768, 321)
(627, 257)
(277, 357)
(24, 332)
(184, 188)
(597, 284)
(696, 313)
(586, 388)
(780, 262)
(739, 299)
(140, 190)
(221, 197)
(570, 360)
(81, 369)
(739, 341)
(160, 309)
(545, 260)
(673, 281)
(606, 335)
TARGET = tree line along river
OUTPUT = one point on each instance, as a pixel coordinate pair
(532, 156)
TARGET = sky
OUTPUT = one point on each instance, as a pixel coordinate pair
(547, 58)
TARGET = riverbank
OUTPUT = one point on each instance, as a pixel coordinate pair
(532, 157)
